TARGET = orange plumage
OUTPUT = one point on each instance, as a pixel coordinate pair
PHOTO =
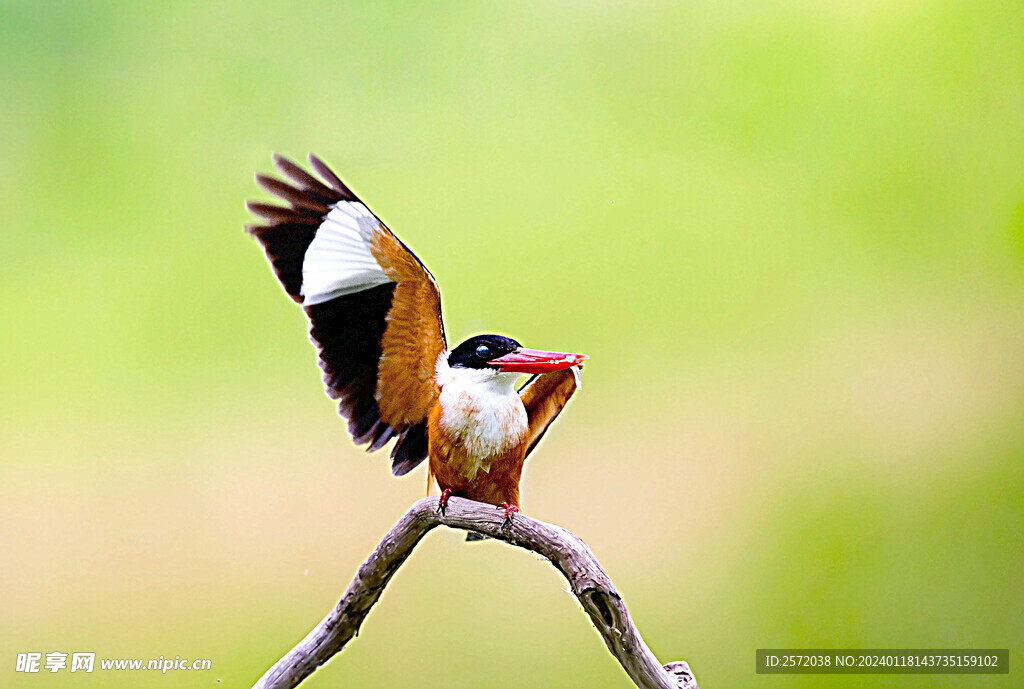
(456, 468)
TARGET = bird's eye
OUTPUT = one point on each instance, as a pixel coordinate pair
(483, 351)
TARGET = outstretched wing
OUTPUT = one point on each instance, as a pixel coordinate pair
(374, 309)
(544, 396)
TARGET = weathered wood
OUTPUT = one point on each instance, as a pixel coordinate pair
(565, 550)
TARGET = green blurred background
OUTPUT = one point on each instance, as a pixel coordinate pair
(789, 235)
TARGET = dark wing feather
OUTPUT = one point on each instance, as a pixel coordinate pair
(377, 346)
(346, 332)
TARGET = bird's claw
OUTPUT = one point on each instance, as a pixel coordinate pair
(509, 511)
(442, 503)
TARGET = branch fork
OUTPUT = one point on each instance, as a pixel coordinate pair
(570, 555)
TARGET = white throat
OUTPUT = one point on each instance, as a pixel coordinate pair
(481, 409)
(482, 381)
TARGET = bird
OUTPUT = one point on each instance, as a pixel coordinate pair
(374, 313)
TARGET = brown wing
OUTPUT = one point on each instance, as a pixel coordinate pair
(374, 309)
(413, 339)
(544, 397)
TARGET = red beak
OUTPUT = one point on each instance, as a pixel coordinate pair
(536, 361)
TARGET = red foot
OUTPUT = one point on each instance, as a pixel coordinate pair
(442, 504)
(509, 511)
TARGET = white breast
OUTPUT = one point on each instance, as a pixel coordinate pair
(482, 410)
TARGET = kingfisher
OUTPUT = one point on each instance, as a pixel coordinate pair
(374, 314)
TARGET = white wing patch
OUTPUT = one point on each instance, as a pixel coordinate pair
(338, 260)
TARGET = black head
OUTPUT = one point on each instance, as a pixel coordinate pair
(477, 351)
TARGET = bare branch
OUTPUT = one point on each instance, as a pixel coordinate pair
(566, 551)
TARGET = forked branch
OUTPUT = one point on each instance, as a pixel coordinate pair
(567, 553)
